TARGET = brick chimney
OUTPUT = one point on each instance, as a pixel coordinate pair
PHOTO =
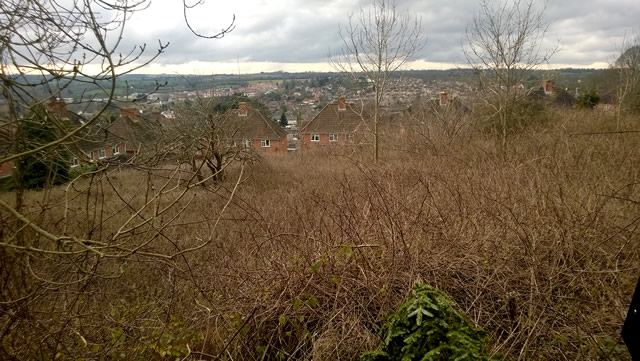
(444, 97)
(342, 104)
(130, 112)
(242, 109)
(57, 106)
(547, 85)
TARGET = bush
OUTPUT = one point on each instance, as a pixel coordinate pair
(589, 99)
(427, 327)
(46, 167)
(522, 114)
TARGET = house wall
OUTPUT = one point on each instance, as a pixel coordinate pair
(324, 140)
(108, 150)
(276, 146)
(6, 169)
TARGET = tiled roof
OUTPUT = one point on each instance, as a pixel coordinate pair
(132, 131)
(564, 99)
(331, 120)
(253, 126)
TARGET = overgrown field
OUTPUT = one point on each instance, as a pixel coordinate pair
(538, 243)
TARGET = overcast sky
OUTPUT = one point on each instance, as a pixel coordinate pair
(298, 35)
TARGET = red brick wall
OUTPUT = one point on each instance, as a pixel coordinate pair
(324, 141)
(6, 169)
(276, 146)
(108, 151)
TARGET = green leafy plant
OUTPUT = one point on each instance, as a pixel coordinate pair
(428, 328)
(588, 99)
(50, 167)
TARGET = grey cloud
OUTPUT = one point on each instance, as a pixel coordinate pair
(588, 32)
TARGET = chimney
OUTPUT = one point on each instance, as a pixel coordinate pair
(443, 98)
(242, 109)
(130, 112)
(342, 103)
(547, 85)
(57, 106)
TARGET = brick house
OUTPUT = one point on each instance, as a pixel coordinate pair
(250, 129)
(119, 140)
(6, 138)
(7, 130)
(337, 124)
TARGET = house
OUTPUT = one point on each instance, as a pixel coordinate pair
(337, 124)
(564, 99)
(608, 102)
(119, 140)
(443, 104)
(247, 127)
(6, 138)
(8, 129)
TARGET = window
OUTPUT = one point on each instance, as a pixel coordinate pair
(247, 143)
(74, 162)
(116, 149)
(266, 143)
(333, 137)
(90, 155)
(315, 137)
(101, 154)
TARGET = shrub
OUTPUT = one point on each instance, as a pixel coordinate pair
(589, 99)
(427, 327)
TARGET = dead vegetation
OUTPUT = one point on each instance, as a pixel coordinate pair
(538, 244)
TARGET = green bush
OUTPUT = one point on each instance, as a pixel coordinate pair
(46, 167)
(589, 99)
(520, 114)
(428, 328)
(83, 169)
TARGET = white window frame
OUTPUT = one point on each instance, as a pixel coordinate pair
(333, 137)
(116, 149)
(74, 162)
(315, 137)
(265, 143)
(246, 143)
(102, 153)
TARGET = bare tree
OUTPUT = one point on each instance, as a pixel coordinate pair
(627, 67)
(204, 138)
(376, 43)
(504, 45)
(60, 252)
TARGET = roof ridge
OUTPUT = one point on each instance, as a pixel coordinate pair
(314, 118)
(270, 125)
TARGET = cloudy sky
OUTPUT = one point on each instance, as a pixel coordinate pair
(298, 35)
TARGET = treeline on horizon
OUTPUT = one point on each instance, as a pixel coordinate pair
(166, 83)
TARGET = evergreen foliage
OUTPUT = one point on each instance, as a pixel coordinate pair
(48, 167)
(283, 120)
(428, 328)
(589, 99)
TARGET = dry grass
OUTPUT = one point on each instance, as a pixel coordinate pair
(538, 243)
